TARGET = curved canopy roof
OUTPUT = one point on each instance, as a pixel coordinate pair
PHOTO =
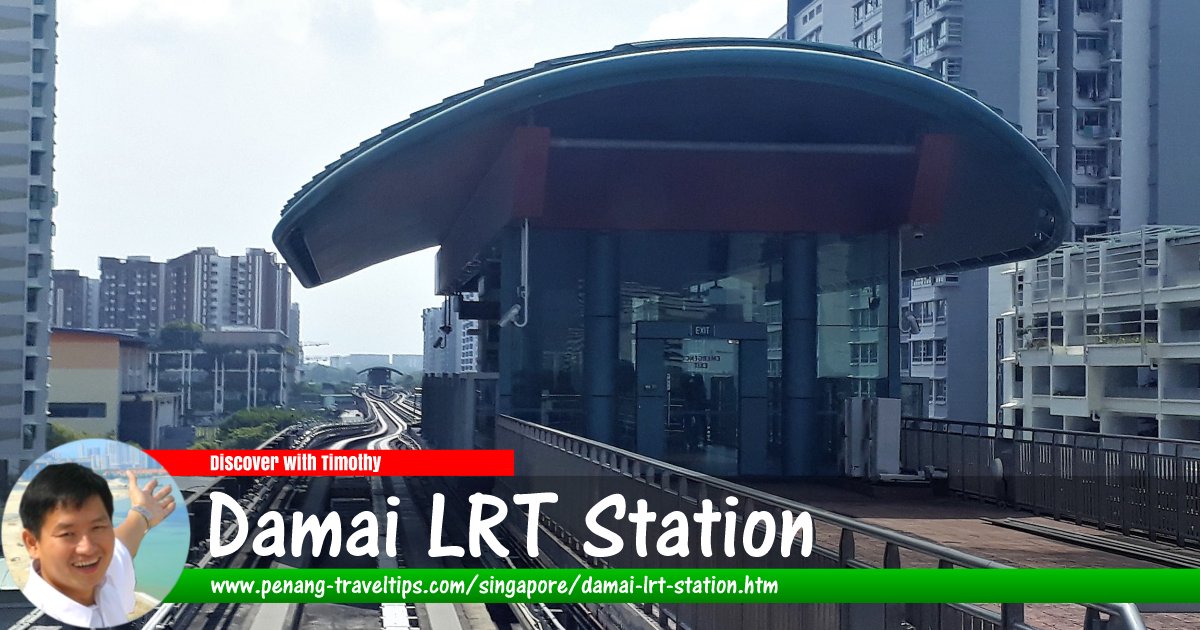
(986, 196)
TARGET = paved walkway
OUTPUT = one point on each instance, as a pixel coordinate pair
(958, 523)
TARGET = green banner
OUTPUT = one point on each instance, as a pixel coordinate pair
(688, 585)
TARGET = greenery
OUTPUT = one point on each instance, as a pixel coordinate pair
(180, 335)
(56, 436)
(250, 427)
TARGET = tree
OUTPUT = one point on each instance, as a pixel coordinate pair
(181, 335)
(248, 428)
(56, 436)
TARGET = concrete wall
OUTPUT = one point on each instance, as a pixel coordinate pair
(1175, 85)
(86, 369)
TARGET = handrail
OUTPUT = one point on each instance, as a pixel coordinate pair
(916, 544)
(1128, 613)
(983, 427)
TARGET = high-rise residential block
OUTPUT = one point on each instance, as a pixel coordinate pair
(1107, 336)
(27, 198)
(74, 301)
(201, 287)
(131, 294)
(1102, 87)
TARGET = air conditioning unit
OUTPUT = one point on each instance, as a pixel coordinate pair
(871, 438)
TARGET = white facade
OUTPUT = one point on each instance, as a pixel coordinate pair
(27, 198)
(452, 346)
(1102, 87)
(1105, 336)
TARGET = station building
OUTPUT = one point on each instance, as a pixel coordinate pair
(689, 249)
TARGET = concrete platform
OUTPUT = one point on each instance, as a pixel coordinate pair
(958, 523)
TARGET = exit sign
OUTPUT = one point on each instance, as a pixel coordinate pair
(702, 330)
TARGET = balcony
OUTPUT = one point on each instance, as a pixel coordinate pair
(1131, 391)
(1114, 11)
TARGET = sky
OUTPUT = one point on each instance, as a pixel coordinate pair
(190, 124)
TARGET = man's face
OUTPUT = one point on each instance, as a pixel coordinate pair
(75, 548)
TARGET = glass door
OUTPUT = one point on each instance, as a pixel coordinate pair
(702, 404)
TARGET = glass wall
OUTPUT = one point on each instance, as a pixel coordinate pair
(709, 284)
(541, 363)
(700, 278)
(854, 312)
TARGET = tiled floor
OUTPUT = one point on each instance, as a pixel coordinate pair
(959, 524)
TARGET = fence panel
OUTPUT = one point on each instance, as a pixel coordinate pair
(1132, 484)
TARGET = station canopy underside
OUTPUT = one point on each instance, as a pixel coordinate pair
(706, 135)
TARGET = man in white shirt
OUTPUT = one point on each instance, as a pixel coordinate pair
(82, 572)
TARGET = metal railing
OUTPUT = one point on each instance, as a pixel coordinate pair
(1132, 484)
(548, 460)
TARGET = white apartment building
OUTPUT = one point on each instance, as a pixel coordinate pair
(1108, 336)
(1103, 87)
(452, 345)
(27, 198)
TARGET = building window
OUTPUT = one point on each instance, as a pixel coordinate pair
(873, 39)
(1092, 85)
(35, 231)
(35, 162)
(1089, 195)
(30, 402)
(1045, 44)
(78, 410)
(1091, 123)
(39, 61)
(949, 69)
(39, 26)
(866, 9)
(37, 94)
(947, 31)
(922, 351)
(31, 334)
(31, 365)
(864, 354)
(35, 129)
(31, 300)
(1090, 161)
(38, 196)
(1091, 41)
(939, 390)
(35, 265)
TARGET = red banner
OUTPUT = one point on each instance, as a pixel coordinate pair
(382, 463)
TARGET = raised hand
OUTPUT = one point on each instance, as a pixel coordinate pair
(159, 504)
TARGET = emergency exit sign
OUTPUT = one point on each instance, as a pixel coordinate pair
(702, 330)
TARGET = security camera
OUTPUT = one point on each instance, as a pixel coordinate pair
(510, 315)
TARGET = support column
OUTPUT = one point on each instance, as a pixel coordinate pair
(601, 317)
(510, 279)
(891, 303)
(803, 438)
